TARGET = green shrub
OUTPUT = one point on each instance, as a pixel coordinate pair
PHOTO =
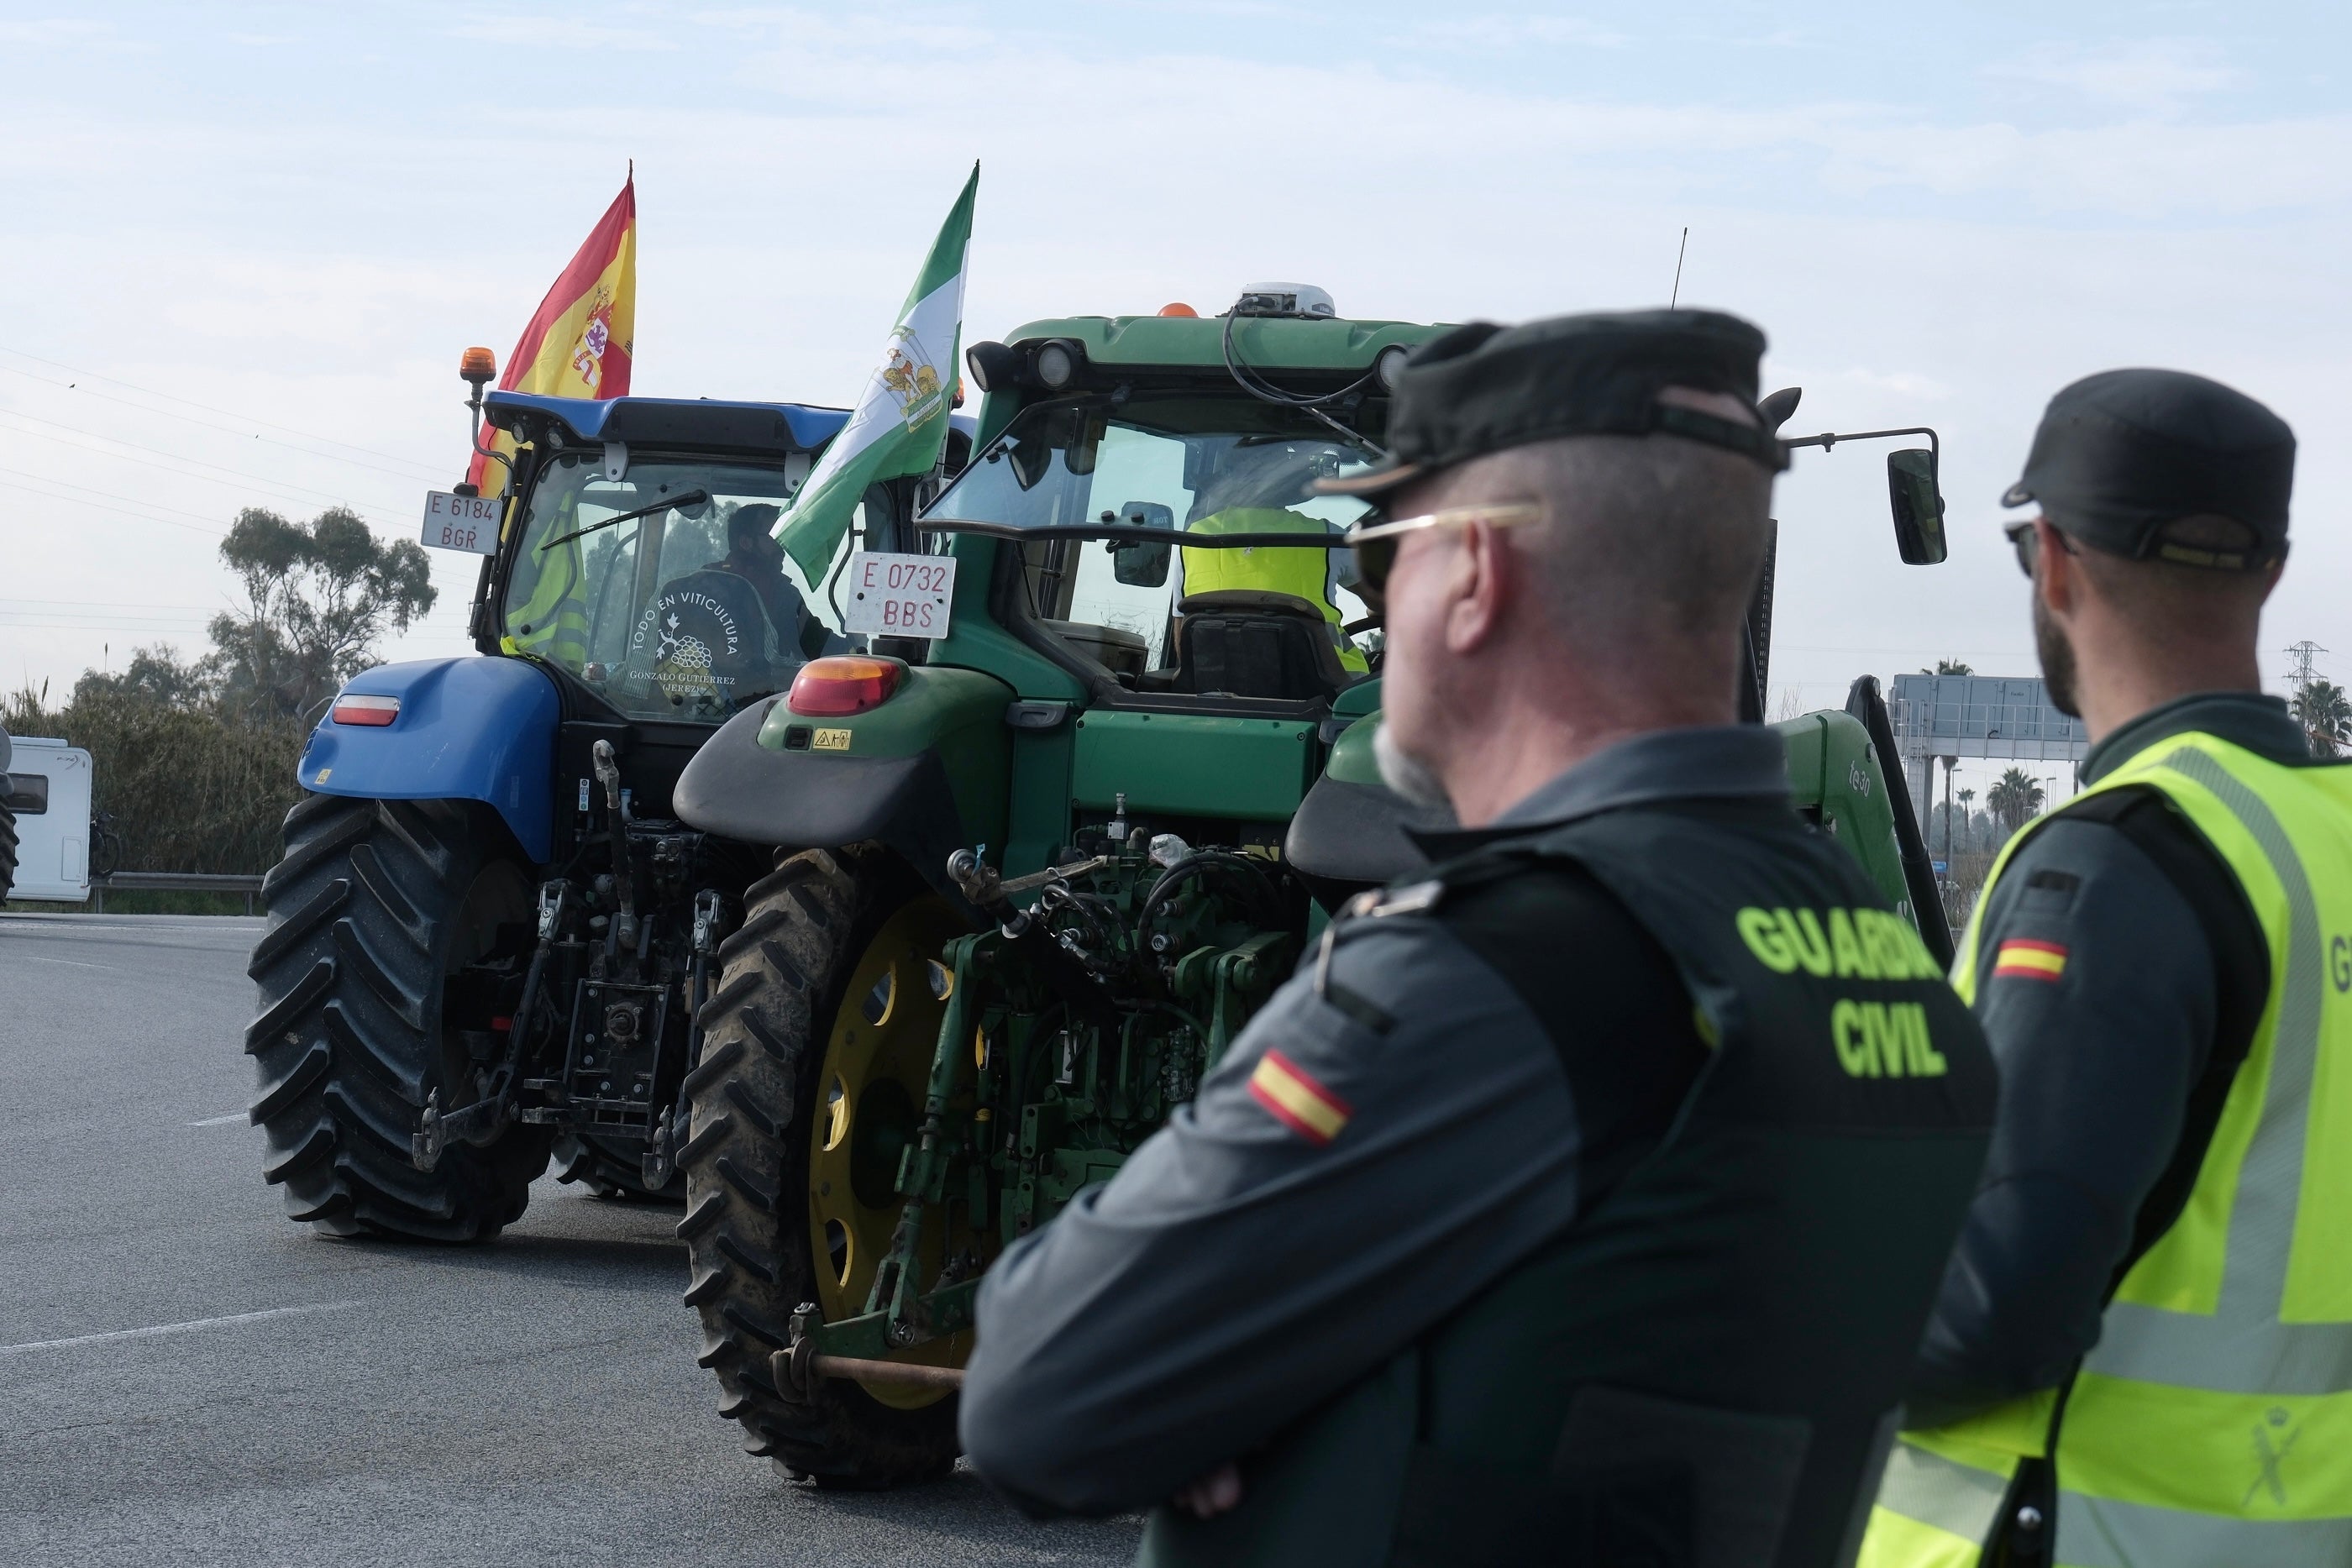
(189, 788)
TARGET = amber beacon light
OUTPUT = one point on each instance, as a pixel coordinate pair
(477, 367)
(843, 683)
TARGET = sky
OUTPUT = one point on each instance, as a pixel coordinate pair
(247, 242)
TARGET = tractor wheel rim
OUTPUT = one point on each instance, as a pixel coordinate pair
(870, 1108)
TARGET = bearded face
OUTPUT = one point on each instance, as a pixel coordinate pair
(2057, 655)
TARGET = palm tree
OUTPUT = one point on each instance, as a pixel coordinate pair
(2017, 797)
(1966, 796)
(2325, 715)
(1952, 667)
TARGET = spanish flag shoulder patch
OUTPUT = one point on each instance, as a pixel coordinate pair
(1292, 1097)
(2020, 958)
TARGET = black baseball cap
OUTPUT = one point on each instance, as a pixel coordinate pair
(1482, 387)
(2123, 455)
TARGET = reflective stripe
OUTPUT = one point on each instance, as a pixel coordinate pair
(2097, 1533)
(1960, 1500)
(2212, 1424)
(1894, 1541)
(2242, 1346)
(2257, 1455)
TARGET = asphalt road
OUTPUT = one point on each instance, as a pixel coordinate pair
(187, 1377)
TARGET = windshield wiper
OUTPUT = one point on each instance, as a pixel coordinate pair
(689, 499)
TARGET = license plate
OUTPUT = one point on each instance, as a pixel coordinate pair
(898, 595)
(462, 522)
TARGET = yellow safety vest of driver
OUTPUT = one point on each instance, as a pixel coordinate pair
(1300, 571)
(552, 624)
(2212, 1424)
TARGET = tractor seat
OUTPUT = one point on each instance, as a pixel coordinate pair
(1246, 642)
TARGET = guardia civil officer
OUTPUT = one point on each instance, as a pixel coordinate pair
(1584, 1202)
(2154, 1291)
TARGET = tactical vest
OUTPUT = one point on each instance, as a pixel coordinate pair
(1300, 571)
(1704, 1369)
(2212, 1424)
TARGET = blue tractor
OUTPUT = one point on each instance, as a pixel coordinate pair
(490, 936)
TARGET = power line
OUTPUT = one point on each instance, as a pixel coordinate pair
(208, 424)
(101, 506)
(208, 408)
(179, 465)
(103, 604)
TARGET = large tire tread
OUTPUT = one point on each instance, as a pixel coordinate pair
(345, 1040)
(746, 1161)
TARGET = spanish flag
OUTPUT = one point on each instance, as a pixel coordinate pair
(1290, 1095)
(580, 342)
(2022, 959)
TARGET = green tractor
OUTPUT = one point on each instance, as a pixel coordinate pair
(1042, 865)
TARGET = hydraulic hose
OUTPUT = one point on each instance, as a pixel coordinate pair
(1267, 913)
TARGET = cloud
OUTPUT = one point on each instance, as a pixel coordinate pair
(64, 32)
(2151, 75)
(562, 33)
(1492, 33)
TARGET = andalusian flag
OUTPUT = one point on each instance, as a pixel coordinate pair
(900, 424)
(578, 343)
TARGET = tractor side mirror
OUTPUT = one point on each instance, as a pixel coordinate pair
(1139, 565)
(1032, 460)
(1142, 563)
(1918, 506)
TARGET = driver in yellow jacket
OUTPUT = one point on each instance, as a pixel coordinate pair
(1257, 498)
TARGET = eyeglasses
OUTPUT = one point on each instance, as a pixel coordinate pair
(1376, 547)
(2026, 540)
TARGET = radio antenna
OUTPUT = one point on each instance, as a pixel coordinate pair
(1675, 298)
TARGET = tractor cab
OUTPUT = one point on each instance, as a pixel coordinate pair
(1154, 479)
(637, 568)
(1150, 532)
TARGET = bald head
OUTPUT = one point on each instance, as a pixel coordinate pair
(1649, 544)
(1619, 612)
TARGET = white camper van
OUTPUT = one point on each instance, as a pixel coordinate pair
(48, 787)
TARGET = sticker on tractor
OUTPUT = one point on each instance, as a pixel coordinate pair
(468, 522)
(900, 595)
(830, 740)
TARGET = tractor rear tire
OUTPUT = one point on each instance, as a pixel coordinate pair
(612, 1170)
(375, 901)
(784, 981)
(7, 847)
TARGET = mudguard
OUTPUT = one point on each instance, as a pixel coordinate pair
(1835, 779)
(1350, 832)
(927, 772)
(473, 729)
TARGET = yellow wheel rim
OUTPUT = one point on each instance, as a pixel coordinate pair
(878, 1069)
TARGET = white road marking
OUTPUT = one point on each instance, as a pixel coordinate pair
(36, 958)
(221, 1121)
(160, 1329)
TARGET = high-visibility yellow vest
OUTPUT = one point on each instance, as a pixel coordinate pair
(552, 624)
(2212, 1424)
(1301, 571)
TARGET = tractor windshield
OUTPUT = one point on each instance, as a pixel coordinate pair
(686, 609)
(1138, 514)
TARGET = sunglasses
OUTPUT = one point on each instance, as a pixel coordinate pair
(1376, 547)
(2026, 540)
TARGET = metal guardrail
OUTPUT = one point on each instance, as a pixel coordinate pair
(172, 881)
